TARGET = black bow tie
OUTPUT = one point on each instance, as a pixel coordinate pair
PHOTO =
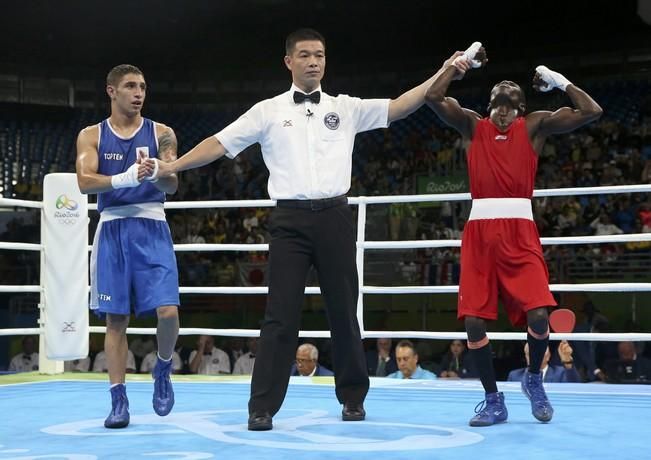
(299, 97)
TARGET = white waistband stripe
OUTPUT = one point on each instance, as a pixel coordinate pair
(145, 210)
(501, 208)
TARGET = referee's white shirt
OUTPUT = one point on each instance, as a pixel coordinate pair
(24, 363)
(244, 364)
(100, 364)
(307, 147)
(149, 362)
(217, 362)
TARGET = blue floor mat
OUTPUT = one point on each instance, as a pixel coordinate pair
(406, 420)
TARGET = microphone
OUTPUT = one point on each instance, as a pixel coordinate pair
(309, 113)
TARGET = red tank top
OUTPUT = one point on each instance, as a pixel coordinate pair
(501, 165)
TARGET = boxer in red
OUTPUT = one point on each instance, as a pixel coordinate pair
(501, 255)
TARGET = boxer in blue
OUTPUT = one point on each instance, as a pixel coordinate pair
(133, 262)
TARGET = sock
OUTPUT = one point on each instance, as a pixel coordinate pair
(163, 359)
(537, 349)
(483, 358)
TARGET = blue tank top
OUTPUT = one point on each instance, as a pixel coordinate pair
(116, 154)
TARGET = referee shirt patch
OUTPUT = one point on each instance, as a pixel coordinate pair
(331, 120)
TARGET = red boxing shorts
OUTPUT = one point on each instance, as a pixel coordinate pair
(501, 258)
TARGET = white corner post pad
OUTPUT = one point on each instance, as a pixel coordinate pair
(63, 305)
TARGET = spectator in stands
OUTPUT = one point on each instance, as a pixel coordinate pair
(141, 346)
(224, 272)
(638, 246)
(307, 362)
(592, 211)
(457, 363)
(564, 373)
(624, 215)
(381, 360)
(244, 364)
(250, 220)
(195, 267)
(208, 359)
(644, 214)
(611, 174)
(194, 235)
(219, 234)
(457, 233)
(629, 367)
(396, 212)
(77, 365)
(100, 364)
(184, 353)
(408, 367)
(27, 359)
(645, 176)
(586, 177)
(603, 225)
(568, 219)
(149, 362)
(585, 359)
(234, 347)
(442, 232)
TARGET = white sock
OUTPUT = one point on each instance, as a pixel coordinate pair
(163, 359)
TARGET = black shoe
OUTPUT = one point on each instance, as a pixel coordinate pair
(260, 422)
(353, 413)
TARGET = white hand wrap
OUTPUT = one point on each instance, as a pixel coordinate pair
(469, 55)
(553, 79)
(153, 177)
(127, 179)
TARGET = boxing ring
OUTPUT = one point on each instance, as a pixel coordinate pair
(61, 415)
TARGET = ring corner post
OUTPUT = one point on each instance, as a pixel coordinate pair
(64, 273)
(361, 238)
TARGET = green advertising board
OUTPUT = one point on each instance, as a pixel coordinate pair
(427, 185)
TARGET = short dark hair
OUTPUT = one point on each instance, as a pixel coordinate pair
(406, 344)
(115, 75)
(513, 84)
(302, 35)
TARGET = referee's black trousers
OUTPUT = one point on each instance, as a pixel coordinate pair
(300, 238)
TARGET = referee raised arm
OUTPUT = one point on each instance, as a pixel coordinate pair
(307, 143)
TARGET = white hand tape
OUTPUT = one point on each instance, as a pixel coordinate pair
(127, 179)
(470, 54)
(153, 177)
(553, 79)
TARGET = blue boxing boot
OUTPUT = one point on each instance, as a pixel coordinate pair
(119, 416)
(490, 411)
(163, 399)
(532, 387)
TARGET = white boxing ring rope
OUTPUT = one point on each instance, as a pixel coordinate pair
(362, 245)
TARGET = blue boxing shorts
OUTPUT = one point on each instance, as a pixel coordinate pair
(132, 264)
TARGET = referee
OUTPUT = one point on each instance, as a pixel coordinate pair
(307, 143)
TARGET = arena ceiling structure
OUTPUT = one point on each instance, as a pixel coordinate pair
(246, 37)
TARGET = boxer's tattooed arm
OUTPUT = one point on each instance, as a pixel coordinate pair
(167, 146)
(167, 152)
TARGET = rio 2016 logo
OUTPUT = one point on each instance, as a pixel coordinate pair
(307, 430)
(66, 213)
(64, 202)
